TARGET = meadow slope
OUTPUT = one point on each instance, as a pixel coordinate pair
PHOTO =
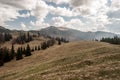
(82, 60)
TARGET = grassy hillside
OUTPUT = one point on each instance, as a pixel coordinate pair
(82, 60)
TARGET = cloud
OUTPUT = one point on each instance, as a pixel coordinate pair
(115, 5)
(114, 14)
(85, 15)
(58, 1)
(7, 13)
(40, 11)
(88, 7)
(77, 3)
(23, 26)
(23, 4)
(63, 12)
(114, 26)
(57, 21)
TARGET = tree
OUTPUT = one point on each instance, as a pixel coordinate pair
(19, 54)
(114, 40)
(28, 51)
(1, 58)
(6, 53)
(38, 47)
(59, 42)
(43, 45)
(35, 47)
(12, 52)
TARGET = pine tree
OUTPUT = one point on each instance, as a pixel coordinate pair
(1, 58)
(32, 50)
(12, 52)
(43, 45)
(59, 42)
(35, 47)
(7, 57)
(28, 50)
(38, 48)
(19, 54)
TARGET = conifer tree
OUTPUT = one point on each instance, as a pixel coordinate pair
(12, 52)
(28, 50)
(1, 58)
(38, 48)
(35, 47)
(6, 53)
(59, 42)
(19, 54)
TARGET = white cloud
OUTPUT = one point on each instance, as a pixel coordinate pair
(88, 7)
(7, 13)
(32, 23)
(77, 3)
(39, 26)
(23, 26)
(57, 21)
(63, 12)
(41, 10)
(23, 4)
(58, 1)
(96, 14)
(115, 5)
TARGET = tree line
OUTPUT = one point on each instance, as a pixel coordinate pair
(23, 38)
(5, 37)
(114, 40)
(6, 55)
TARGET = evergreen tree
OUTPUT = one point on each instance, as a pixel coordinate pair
(19, 54)
(32, 50)
(12, 52)
(38, 48)
(43, 45)
(28, 50)
(1, 58)
(24, 51)
(7, 56)
(59, 42)
(35, 47)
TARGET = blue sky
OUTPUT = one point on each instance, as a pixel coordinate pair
(84, 15)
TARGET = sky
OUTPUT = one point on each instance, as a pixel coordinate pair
(83, 15)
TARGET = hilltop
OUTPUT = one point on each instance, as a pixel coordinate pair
(82, 60)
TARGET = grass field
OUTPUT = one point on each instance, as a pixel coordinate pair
(82, 60)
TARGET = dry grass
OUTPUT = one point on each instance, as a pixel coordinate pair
(84, 60)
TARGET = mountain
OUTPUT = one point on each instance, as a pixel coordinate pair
(2, 29)
(74, 35)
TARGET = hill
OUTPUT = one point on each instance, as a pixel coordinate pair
(74, 35)
(2, 29)
(83, 60)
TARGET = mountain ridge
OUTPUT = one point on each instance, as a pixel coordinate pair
(68, 33)
(75, 35)
(2, 30)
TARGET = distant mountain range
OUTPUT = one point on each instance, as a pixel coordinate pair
(69, 34)
(75, 35)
